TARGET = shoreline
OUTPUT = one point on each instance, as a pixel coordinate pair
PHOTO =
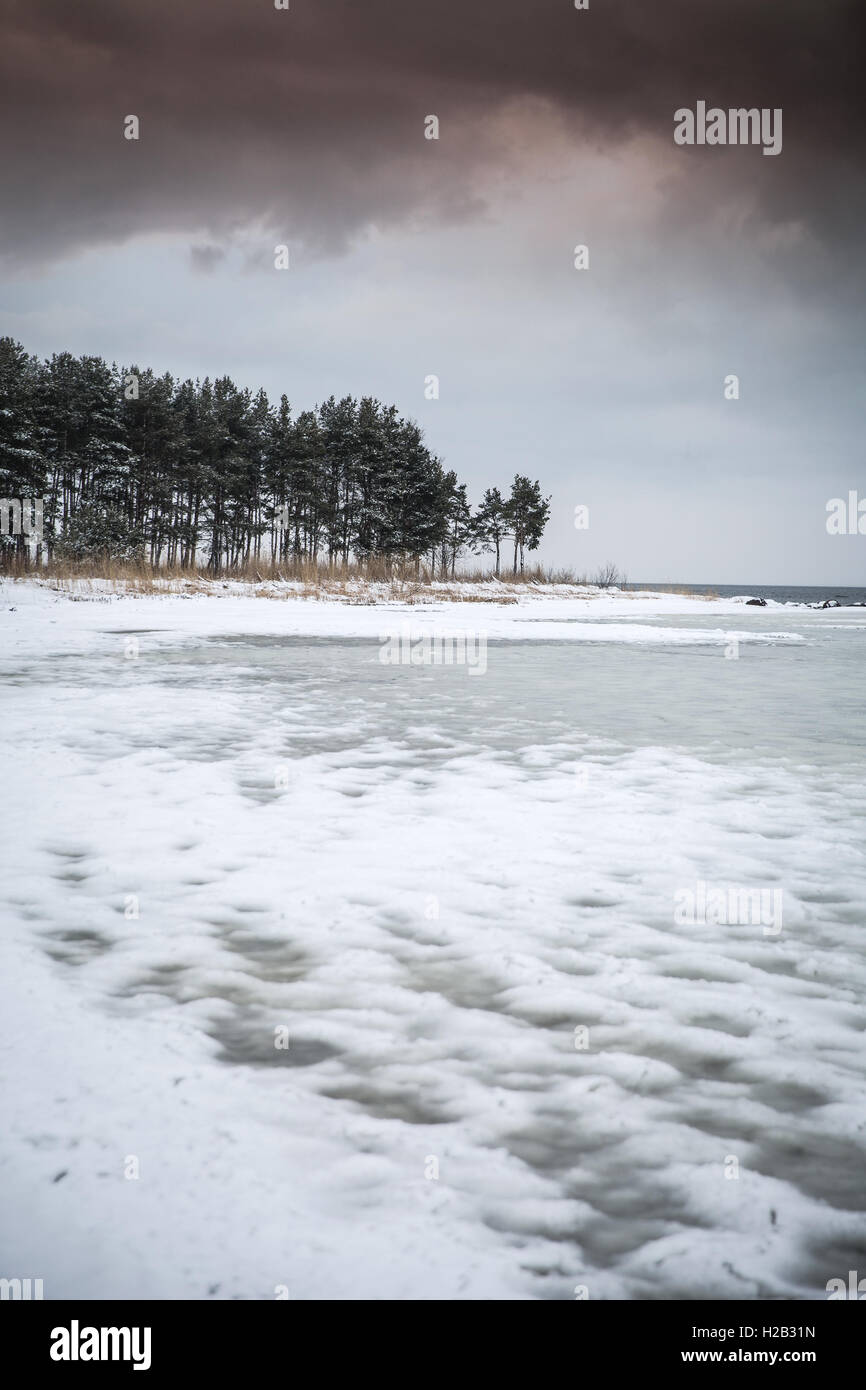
(38, 615)
(387, 593)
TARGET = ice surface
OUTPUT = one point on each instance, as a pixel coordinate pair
(431, 881)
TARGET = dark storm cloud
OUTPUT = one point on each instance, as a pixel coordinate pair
(310, 121)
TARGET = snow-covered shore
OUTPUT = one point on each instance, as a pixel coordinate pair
(500, 611)
(364, 592)
(225, 817)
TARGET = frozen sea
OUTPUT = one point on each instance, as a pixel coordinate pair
(332, 979)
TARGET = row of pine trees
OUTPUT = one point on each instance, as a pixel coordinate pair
(139, 467)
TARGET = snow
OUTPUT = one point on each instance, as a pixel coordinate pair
(431, 882)
(234, 607)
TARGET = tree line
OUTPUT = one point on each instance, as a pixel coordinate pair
(146, 468)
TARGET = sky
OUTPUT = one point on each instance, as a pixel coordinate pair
(412, 257)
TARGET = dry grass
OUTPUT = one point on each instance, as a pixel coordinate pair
(305, 571)
(356, 583)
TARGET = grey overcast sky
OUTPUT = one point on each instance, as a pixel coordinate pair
(455, 257)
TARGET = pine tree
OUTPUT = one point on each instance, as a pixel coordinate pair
(458, 529)
(144, 467)
(490, 523)
(279, 478)
(527, 514)
(22, 456)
